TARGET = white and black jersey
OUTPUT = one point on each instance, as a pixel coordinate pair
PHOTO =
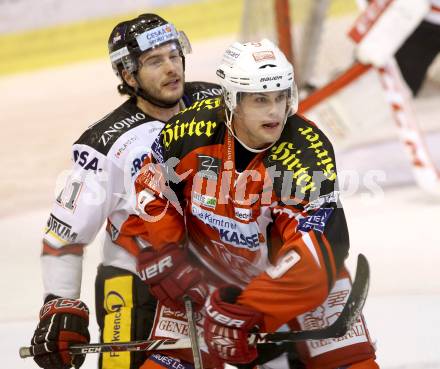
(106, 160)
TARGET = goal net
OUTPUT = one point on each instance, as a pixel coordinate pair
(318, 30)
(352, 103)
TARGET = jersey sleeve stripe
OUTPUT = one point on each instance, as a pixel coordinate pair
(76, 249)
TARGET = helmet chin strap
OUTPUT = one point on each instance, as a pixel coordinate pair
(146, 96)
(231, 129)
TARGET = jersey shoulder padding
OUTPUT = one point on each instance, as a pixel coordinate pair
(104, 133)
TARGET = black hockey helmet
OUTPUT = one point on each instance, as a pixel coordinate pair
(129, 39)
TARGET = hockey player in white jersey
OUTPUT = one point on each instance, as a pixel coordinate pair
(147, 53)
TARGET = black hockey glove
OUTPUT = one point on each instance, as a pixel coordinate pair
(63, 322)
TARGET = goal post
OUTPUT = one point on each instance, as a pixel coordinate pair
(283, 27)
(297, 26)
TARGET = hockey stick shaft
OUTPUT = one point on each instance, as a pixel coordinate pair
(192, 330)
(339, 328)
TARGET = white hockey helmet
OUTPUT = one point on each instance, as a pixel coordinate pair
(256, 67)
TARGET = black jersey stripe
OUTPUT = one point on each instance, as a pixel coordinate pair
(326, 257)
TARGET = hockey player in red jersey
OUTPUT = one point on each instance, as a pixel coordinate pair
(242, 214)
(147, 54)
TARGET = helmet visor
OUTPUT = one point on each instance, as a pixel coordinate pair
(160, 35)
(149, 40)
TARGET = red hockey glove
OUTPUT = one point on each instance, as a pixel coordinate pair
(170, 277)
(63, 322)
(227, 326)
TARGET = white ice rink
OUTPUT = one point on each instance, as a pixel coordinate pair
(43, 112)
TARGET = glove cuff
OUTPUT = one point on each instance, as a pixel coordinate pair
(64, 305)
(153, 266)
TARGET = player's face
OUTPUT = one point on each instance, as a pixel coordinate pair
(161, 73)
(259, 117)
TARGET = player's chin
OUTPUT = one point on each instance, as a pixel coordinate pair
(171, 96)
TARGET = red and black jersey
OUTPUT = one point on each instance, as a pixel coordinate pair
(276, 228)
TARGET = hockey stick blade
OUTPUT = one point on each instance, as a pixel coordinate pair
(350, 313)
